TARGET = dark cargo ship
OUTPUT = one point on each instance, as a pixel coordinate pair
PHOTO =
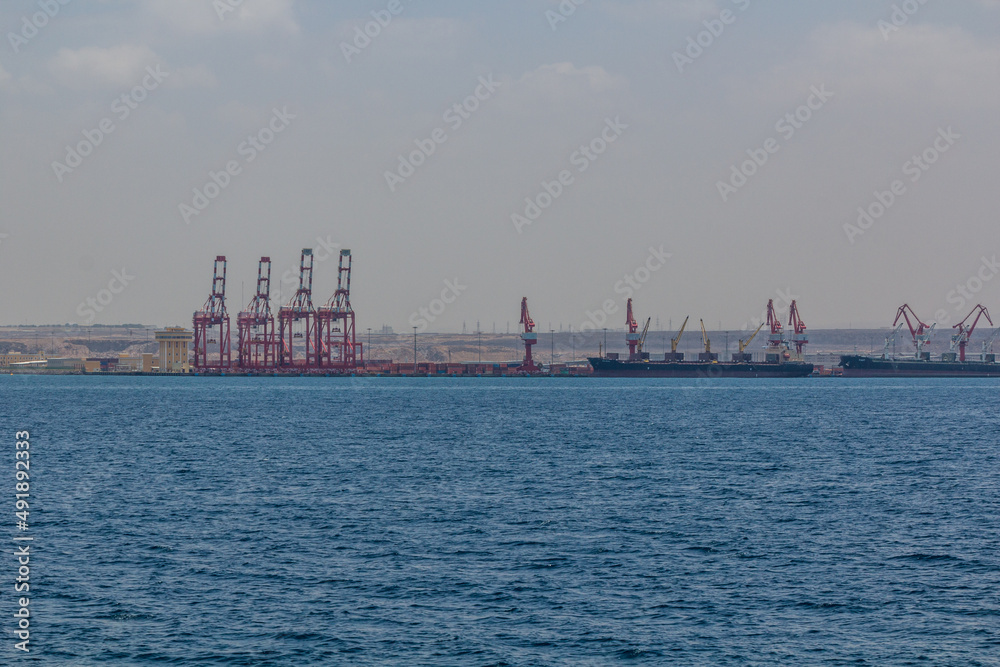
(698, 369)
(858, 366)
(951, 364)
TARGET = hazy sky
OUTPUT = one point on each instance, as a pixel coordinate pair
(643, 109)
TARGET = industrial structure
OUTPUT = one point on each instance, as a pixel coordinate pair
(257, 348)
(301, 339)
(777, 347)
(799, 337)
(919, 332)
(635, 339)
(961, 337)
(529, 337)
(212, 344)
(337, 346)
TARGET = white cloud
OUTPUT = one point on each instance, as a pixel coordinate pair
(198, 76)
(645, 10)
(409, 38)
(249, 16)
(95, 66)
(925, 65)
(565, 78)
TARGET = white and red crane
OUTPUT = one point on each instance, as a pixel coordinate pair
(799, 337)
(964, 333)
(776, 339)
(919, 332)
(633, 336)
(529, 337)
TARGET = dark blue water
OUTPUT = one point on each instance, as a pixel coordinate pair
(508, 522)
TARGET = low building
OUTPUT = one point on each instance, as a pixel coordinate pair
(11, 358)
(174, 343)
(65, 364)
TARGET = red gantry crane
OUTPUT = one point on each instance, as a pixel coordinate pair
(529, 337)
(336, 342)
(211, 325)
(257, 347)
(964, 333)
(776, 340)
(299, 311)
(799, 337)
(633, 336)
(919, 332)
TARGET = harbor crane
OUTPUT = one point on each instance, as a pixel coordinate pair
(336, 342)
(299, 310)
(642, 338)
(776, 340)
(256, 347)
(964, 333)
(744, 343)
(799, 337)
(890, 339)
(988, 343)
(675, 341)
(707, 355)
(211, 325)
(529, 337)
(920, 332)
(633, 336)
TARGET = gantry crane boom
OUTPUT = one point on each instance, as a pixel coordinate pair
(889, 340)
(642, 338)
(964, 333)
(675, 341)
(919, 332)
(632, 337)
(745, 343)
(988, 343)
(799, 337)
(529, 338)
(704, 338)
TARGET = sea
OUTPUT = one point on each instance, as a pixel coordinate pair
(504, 521)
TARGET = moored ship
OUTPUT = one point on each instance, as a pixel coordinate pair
(779, 361)
(950, 364)
(699, 369)
(861, 366)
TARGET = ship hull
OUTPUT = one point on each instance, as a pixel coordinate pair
(695, 369)
(858, 366)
